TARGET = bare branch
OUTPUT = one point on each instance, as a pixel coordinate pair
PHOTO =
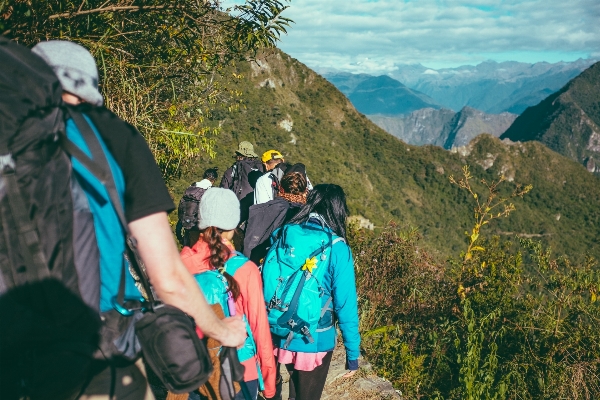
(109, 9)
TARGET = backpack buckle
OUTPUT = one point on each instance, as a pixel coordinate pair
(273, 303)
(7, 163)
(306, 332)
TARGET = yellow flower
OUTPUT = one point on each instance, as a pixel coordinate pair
(310, 264)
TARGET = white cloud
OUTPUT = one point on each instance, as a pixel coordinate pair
(373, 36)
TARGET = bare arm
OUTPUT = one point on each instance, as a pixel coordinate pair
(174, 284)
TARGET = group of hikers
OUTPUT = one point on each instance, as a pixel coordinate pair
(95, 297)
(273, 214)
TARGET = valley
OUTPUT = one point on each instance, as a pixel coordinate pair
(443, 127)
(291, 108)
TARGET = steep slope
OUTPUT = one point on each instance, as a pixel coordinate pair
(386, 96)
(568, 121)
(424, 126)
(291, 108)
(469, 123)
(444, 127)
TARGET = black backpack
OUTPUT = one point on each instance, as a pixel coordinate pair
(241, 169)
(53, 338)
(48, 334)
(189, 205)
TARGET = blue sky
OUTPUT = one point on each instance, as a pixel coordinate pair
(373, 36)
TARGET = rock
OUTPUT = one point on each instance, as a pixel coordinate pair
(286, 124)
(268, 83)
(364, 385)
(362, 222)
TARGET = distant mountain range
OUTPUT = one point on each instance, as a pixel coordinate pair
(490, 86)
(568, 121)
(382, 95)
(443, 127)
(289, 107)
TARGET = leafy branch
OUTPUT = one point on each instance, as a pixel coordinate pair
(494, 206)
(165, 65)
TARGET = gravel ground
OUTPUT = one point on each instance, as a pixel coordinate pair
(364, 385)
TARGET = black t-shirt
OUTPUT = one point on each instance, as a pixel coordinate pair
(145, 189)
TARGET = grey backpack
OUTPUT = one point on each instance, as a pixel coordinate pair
(241, 185)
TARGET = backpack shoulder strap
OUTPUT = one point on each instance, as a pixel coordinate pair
(98, 165)
(235, 262)
(337, 240)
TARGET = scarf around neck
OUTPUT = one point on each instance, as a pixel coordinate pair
(292, 198)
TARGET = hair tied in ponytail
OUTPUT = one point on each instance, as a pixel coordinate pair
(219, 254)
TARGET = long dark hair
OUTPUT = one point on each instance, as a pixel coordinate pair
(329, 201)
(219, 254)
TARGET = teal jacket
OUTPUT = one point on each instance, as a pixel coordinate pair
(340, 282)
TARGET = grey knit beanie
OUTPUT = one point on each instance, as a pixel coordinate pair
(74, 66)
(219, 208)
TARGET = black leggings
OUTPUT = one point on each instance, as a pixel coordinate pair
(305, 385)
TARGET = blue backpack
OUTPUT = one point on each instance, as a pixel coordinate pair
(293, 273)
(216, 291)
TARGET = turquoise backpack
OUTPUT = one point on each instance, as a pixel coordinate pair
(214, 286)
(293, 272)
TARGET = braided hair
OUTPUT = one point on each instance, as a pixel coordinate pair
(219, 254)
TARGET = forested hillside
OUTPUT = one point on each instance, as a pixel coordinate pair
(291, 108)
(568, 121)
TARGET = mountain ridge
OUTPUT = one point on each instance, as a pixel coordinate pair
(386, 96)
(489, 86)
(567, 121)
(289, 107)
(444, 127)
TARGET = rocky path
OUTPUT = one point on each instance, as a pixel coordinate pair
(364, 385)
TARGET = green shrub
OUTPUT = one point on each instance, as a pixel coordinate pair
(504, 321)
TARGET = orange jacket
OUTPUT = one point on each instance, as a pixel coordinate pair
(251, 303)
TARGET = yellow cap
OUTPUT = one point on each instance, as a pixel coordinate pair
(271, 155)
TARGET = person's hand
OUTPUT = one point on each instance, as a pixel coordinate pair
(235, 332)
(349, 374)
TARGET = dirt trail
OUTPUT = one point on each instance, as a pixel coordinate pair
(364, 385)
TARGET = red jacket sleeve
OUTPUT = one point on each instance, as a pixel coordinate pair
(253, 304)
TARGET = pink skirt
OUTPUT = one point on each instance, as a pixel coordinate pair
(301, 361)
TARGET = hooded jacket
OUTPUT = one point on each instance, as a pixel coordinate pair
(340, 282)
(250, 303)
(264, 219)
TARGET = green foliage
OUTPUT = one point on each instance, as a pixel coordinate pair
(388, 180)
(509, 322)
(566, 121)
(161, 61)
(477, 374)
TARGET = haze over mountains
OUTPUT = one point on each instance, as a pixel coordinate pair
(490, 86)
(382, 95)
(449, 107)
